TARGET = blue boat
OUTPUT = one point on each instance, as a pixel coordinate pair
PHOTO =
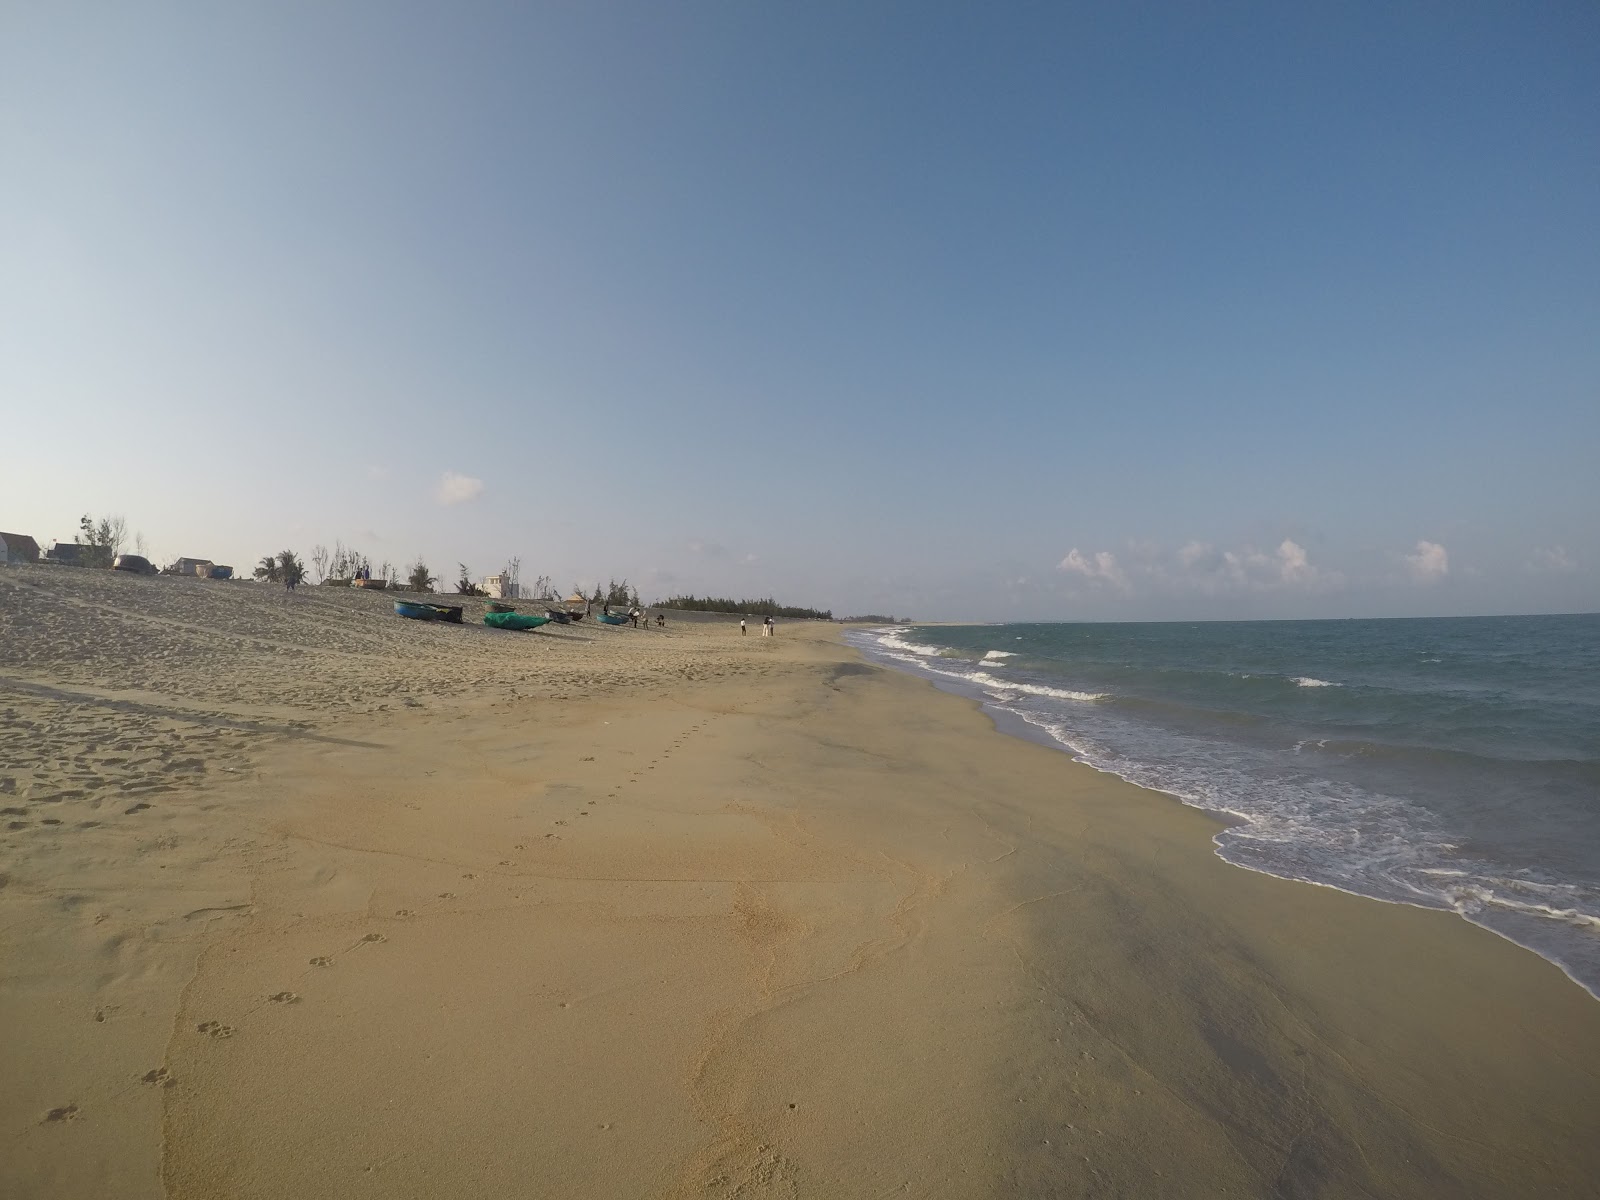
(417, 612)
(611, 619)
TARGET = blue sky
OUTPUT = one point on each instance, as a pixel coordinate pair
(962, 311)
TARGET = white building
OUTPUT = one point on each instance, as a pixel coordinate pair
(500, 587)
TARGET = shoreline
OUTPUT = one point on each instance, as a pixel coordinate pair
(1018, 725)
(688, 915)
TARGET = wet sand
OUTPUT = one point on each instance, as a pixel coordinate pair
(301, 900)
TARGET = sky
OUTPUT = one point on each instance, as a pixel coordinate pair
(1118, 311)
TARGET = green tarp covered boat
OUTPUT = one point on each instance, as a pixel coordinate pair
(513, 620)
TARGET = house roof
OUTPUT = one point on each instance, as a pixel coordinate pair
(18, 541)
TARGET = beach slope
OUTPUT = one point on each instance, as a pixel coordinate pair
(303, 900)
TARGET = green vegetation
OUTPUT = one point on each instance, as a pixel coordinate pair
(755, 608)
(614, 593)
(876, 619)
(103, 539)
(420, 580)
(282, 567)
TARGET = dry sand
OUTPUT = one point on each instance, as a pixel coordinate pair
(303, 900)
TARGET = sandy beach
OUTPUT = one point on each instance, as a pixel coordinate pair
(299, 899)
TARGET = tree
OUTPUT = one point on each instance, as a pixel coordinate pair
(290, 569)
(542, 588)
(319, 559)
(464, 585)
(268, 570)
(420, 580)
(105, 539)
(512, 574)
(388, 574)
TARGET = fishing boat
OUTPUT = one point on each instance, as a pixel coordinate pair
(446, 612)
(499, 606)
(513, 620)
(556, 615)
(611, 619)
(417, 612)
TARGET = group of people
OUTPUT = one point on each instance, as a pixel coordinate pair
(767, 627)
(637, 614)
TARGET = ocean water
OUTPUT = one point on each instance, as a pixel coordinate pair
(1448, 763)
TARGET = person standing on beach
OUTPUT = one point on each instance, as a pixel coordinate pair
(741, 627)
(767, 627)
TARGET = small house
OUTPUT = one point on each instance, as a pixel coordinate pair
(500, 587)
(71, 554)
(18, 548)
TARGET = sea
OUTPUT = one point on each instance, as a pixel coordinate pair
(1449, 763)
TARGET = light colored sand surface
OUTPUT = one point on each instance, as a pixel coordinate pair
(304, 900)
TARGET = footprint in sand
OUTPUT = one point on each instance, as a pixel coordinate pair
(68, 1112)
(160, 1076)
(452, 895)
(560, 822)
(322, 960)
(469, 875)
(215, 1029)
(404, 912)
(140, 807)
(374, 937)
(285, 997)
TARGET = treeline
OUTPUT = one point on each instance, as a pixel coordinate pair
(755, 608)
(875, 619)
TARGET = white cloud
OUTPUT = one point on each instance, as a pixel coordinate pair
(1429, 563)
(1196, 552)
(1552, 558)
(457, 489)
(1103, 566)
(1293, 566)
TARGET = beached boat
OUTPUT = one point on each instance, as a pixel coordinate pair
(611, 619)
(556, 615)
(417, 612)
(513, 620)
(498, 606)
(446, 612)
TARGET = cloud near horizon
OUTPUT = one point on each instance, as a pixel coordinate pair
(1201, 567)
(1101, 566)
(1552, 558)
(1431, 562)
(457, 489)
